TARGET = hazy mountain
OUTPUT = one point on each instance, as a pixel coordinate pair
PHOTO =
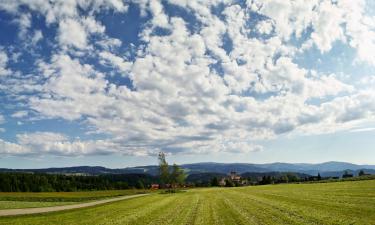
(326, 166)
(89, 170)
(326, 169)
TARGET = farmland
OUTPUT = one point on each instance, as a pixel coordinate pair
(29, 204)
(14, 200)
(351, 202)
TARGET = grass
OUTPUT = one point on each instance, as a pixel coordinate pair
(357, 178)
(321, 203)
(18, 200)
(24, 204)
(64, 196)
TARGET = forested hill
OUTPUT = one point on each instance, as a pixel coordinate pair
(40, 182)
(328, 169)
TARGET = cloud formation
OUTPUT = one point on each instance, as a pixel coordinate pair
(219, 76)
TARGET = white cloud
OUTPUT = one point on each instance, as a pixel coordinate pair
(47, 142)
(3, 64)
(327, 24)
(367, 129)
(193, 92)
(289, 17)
(36, 37)
(264, 27)
(115, 61)
(24, 22)
(8, 148)
(242, 147)
(360, 29)
(41, 143)
(20, 114)
(72, 33)
(109, 43)
(73, 89)
(159, 17)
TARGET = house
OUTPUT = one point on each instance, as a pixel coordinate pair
(222, 181)
(155, 186)
(234, 178)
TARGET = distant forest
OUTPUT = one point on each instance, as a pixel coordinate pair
(38, 182)
(43, 182)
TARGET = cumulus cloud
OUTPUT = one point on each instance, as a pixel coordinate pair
(38, 35)
(24, 22)
(327, 23)
(3, 64)
(115, 61)
(72, 33)
(9, 148)
(20, 114)
(264, 27)
(219, 82)
(41, 143)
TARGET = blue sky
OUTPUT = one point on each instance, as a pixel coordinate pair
(114, 82)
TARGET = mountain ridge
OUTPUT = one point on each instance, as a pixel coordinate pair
(331, 168)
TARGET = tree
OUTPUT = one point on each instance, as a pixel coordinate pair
(214, 182)
(347, 174)
(361, 173)
(163, 169)
(319, 177)
(139, 185)
(284, 179)
(177, 176)
(229, 183)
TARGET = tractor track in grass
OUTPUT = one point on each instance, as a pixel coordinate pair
(28, 211)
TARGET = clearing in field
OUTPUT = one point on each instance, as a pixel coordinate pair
(325, 203)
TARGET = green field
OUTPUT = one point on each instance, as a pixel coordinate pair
(350, 202)
(65, 196)
(25, 204)
(16, 200)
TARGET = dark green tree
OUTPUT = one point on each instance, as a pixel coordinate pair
(361, 173)
(215, 182)
(347, 174)
(140, 185)
(163, 169)
(229, 183)
(177, 176)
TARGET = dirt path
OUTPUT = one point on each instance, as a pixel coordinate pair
(14, 212)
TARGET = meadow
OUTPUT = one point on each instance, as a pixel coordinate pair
(15, 200)
(351, 202)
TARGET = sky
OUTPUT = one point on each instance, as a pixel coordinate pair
(112, 82)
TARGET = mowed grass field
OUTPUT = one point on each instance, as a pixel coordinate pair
(16, 200)
(351, 202)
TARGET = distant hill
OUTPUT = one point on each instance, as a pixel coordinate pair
(206, 178)
(203, 178)
(325, 169)
(258, 176)
(313, 169)
(84, 170)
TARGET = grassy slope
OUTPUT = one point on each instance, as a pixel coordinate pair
(326, 203)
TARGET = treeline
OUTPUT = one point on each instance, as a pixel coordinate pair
(25, 182)
(248, 178)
